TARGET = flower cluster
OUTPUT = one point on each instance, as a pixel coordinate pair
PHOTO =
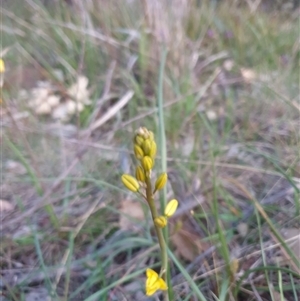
(145, 152)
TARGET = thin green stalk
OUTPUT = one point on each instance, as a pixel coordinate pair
(159, 233)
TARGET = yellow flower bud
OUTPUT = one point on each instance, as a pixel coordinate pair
(2, 66)
(147, 163)
(139, 174)
(130, 183)
(151, 136)
(138, 151)
(138, 140)
(142, 131)
(160, 221)
(161, 181)
(146, 146)
(171, 208)
(145, 133)
(153, 148)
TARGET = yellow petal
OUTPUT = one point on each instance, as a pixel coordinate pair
(150, 273)
(162, 285)
(171, 208)
(154, 282)
(151, 290)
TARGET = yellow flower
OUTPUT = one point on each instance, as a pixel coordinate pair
(130, 183)
(154, 283)
(2, 66)
(171, 208)
(160, 221)
(161, 181)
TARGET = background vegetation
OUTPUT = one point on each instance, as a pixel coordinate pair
(81, 77)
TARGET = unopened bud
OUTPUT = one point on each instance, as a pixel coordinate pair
(142, 131)
(160, 221)
(147, 163)
(153, 149)
(171, 208)
(138, 151)
(146, 146)
(130, 182)
(161, 181)
(138, 140)
(151, 136)
(139, 174)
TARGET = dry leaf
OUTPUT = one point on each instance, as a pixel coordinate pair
(130, 213)
(293, 237)
(188, 244)
(5, 206)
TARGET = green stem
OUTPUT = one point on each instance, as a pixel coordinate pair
(159, 233)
